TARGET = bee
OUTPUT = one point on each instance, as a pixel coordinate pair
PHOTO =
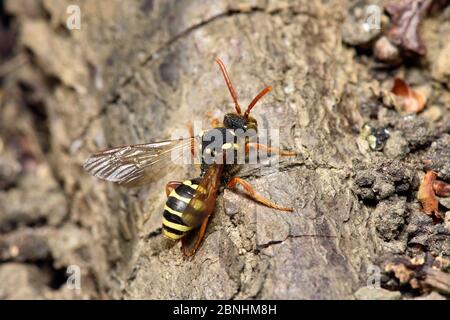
(190, 203)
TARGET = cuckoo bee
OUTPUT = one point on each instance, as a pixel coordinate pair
(190, 203)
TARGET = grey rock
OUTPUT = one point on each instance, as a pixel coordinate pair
(396, 146)
(366, 293)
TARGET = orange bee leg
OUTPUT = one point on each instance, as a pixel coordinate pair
(232, 184)
(441, 188)
(269, 150)
(172, 185)
(188, 249)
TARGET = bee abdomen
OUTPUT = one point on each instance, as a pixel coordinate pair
(173, 225)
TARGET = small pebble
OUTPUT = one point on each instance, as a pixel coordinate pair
(386, 51)
(432, 113)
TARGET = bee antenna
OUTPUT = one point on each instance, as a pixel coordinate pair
(230, 86)
(256, 99)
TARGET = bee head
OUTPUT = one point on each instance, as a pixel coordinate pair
(237, 121)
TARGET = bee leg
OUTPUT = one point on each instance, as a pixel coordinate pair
(441, 188)
(253, 195)
(269, 150)
(172, 185)
(190, 246)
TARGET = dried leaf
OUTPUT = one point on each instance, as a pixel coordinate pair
(406, 18)
(423, 273)
(7, 41)
(437, 280)
(441, 263)
(410, 101)
(427, 197)
(441, 188)
(402, 273)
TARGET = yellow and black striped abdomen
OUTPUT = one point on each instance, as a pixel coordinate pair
(173, 226)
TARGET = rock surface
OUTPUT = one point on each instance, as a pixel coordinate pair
(376, 294)
(136, 72)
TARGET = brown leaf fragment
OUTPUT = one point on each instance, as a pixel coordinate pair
(441, 188)
(425, 273)
(406, 18)
(7, 41)
(409, 100)
(401, 271)
(441, 263)
(437, 280)
(427, 197)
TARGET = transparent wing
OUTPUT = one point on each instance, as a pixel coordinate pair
(139, 164)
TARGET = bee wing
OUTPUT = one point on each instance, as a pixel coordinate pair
(203, 202)
(139, 164)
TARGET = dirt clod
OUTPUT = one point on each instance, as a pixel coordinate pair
(384, 178)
